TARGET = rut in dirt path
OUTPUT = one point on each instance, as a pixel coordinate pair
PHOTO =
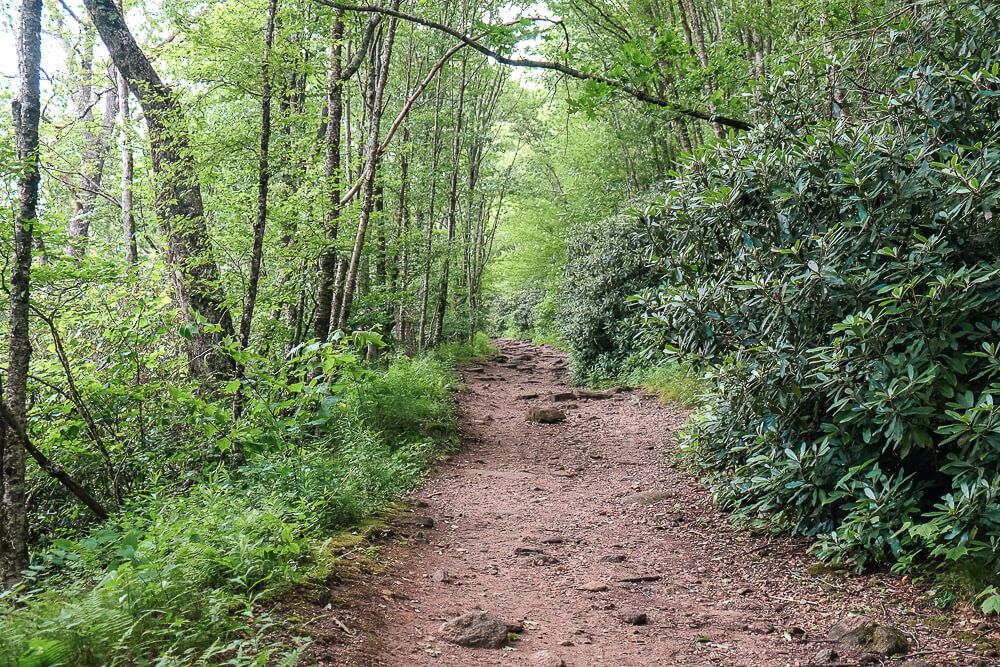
(578, 531)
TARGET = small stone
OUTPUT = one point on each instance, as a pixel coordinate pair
(515, 628)
(526, 396)
(563, 396)
(633, 617)
(867, 634)
(546, 415)
(527, 551)
(547, 659)
(566, 642)
(614, 558)
(825, 656)
(746, 590)
(594, 587)
(440, 576)
(475, 629)
(591, 394)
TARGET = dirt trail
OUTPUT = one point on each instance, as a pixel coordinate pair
(527, 514)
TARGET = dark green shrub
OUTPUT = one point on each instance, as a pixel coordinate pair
(607, 262)
(841, 280)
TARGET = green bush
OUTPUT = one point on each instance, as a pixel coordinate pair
(607, 262)
(840, 280)
(183, 575)
(457, 353)
(408, 400)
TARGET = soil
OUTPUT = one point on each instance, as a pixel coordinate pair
(577, 531)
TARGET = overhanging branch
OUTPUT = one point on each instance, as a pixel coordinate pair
(638, 94)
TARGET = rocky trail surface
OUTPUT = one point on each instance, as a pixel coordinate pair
(580, 542)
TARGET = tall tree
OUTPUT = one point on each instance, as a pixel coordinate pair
(96, 144)
(128, 169)
(379, 79)
(263, 181)
(178, 195)
(456, 152)
(27, 111)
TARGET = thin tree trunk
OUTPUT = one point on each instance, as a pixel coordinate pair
(128, 169)
(27, 110)
(402, 233)
(456, 153)
(178, 195)
(331, 168)
(371, 164)
(96, 147)
(428, 245)
(260, 222)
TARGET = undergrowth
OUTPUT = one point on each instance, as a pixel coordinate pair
(673, 383)
(186, 574)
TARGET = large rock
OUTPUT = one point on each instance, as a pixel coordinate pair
(868, 635)
(546, 415)
(475, 629)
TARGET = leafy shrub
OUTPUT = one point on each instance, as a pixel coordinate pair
(408, 400)
(840, 279)
(607, 262)
(457, 353)
(181, 576)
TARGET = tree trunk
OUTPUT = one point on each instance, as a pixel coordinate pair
(95, 151)
(178, 197)
(128, 168)
(260, 221)
(27, 110)
(456, 153)
(428, 244)
(379, 80)
(331, 168)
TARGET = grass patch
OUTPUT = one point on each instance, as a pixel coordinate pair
(457, 353)
(673, 383)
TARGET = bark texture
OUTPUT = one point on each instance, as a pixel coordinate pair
(27, 110)
(178, 197)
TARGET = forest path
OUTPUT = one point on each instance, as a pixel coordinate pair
(526, 515)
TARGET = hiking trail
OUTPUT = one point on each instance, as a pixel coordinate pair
(587, 536)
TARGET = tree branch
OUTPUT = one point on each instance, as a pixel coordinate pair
(359, 57)
(56, 471)
(402, 115)
(638, 94)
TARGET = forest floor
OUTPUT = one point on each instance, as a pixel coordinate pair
(526, 517)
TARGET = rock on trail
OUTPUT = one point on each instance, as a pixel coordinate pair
(576, 532)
